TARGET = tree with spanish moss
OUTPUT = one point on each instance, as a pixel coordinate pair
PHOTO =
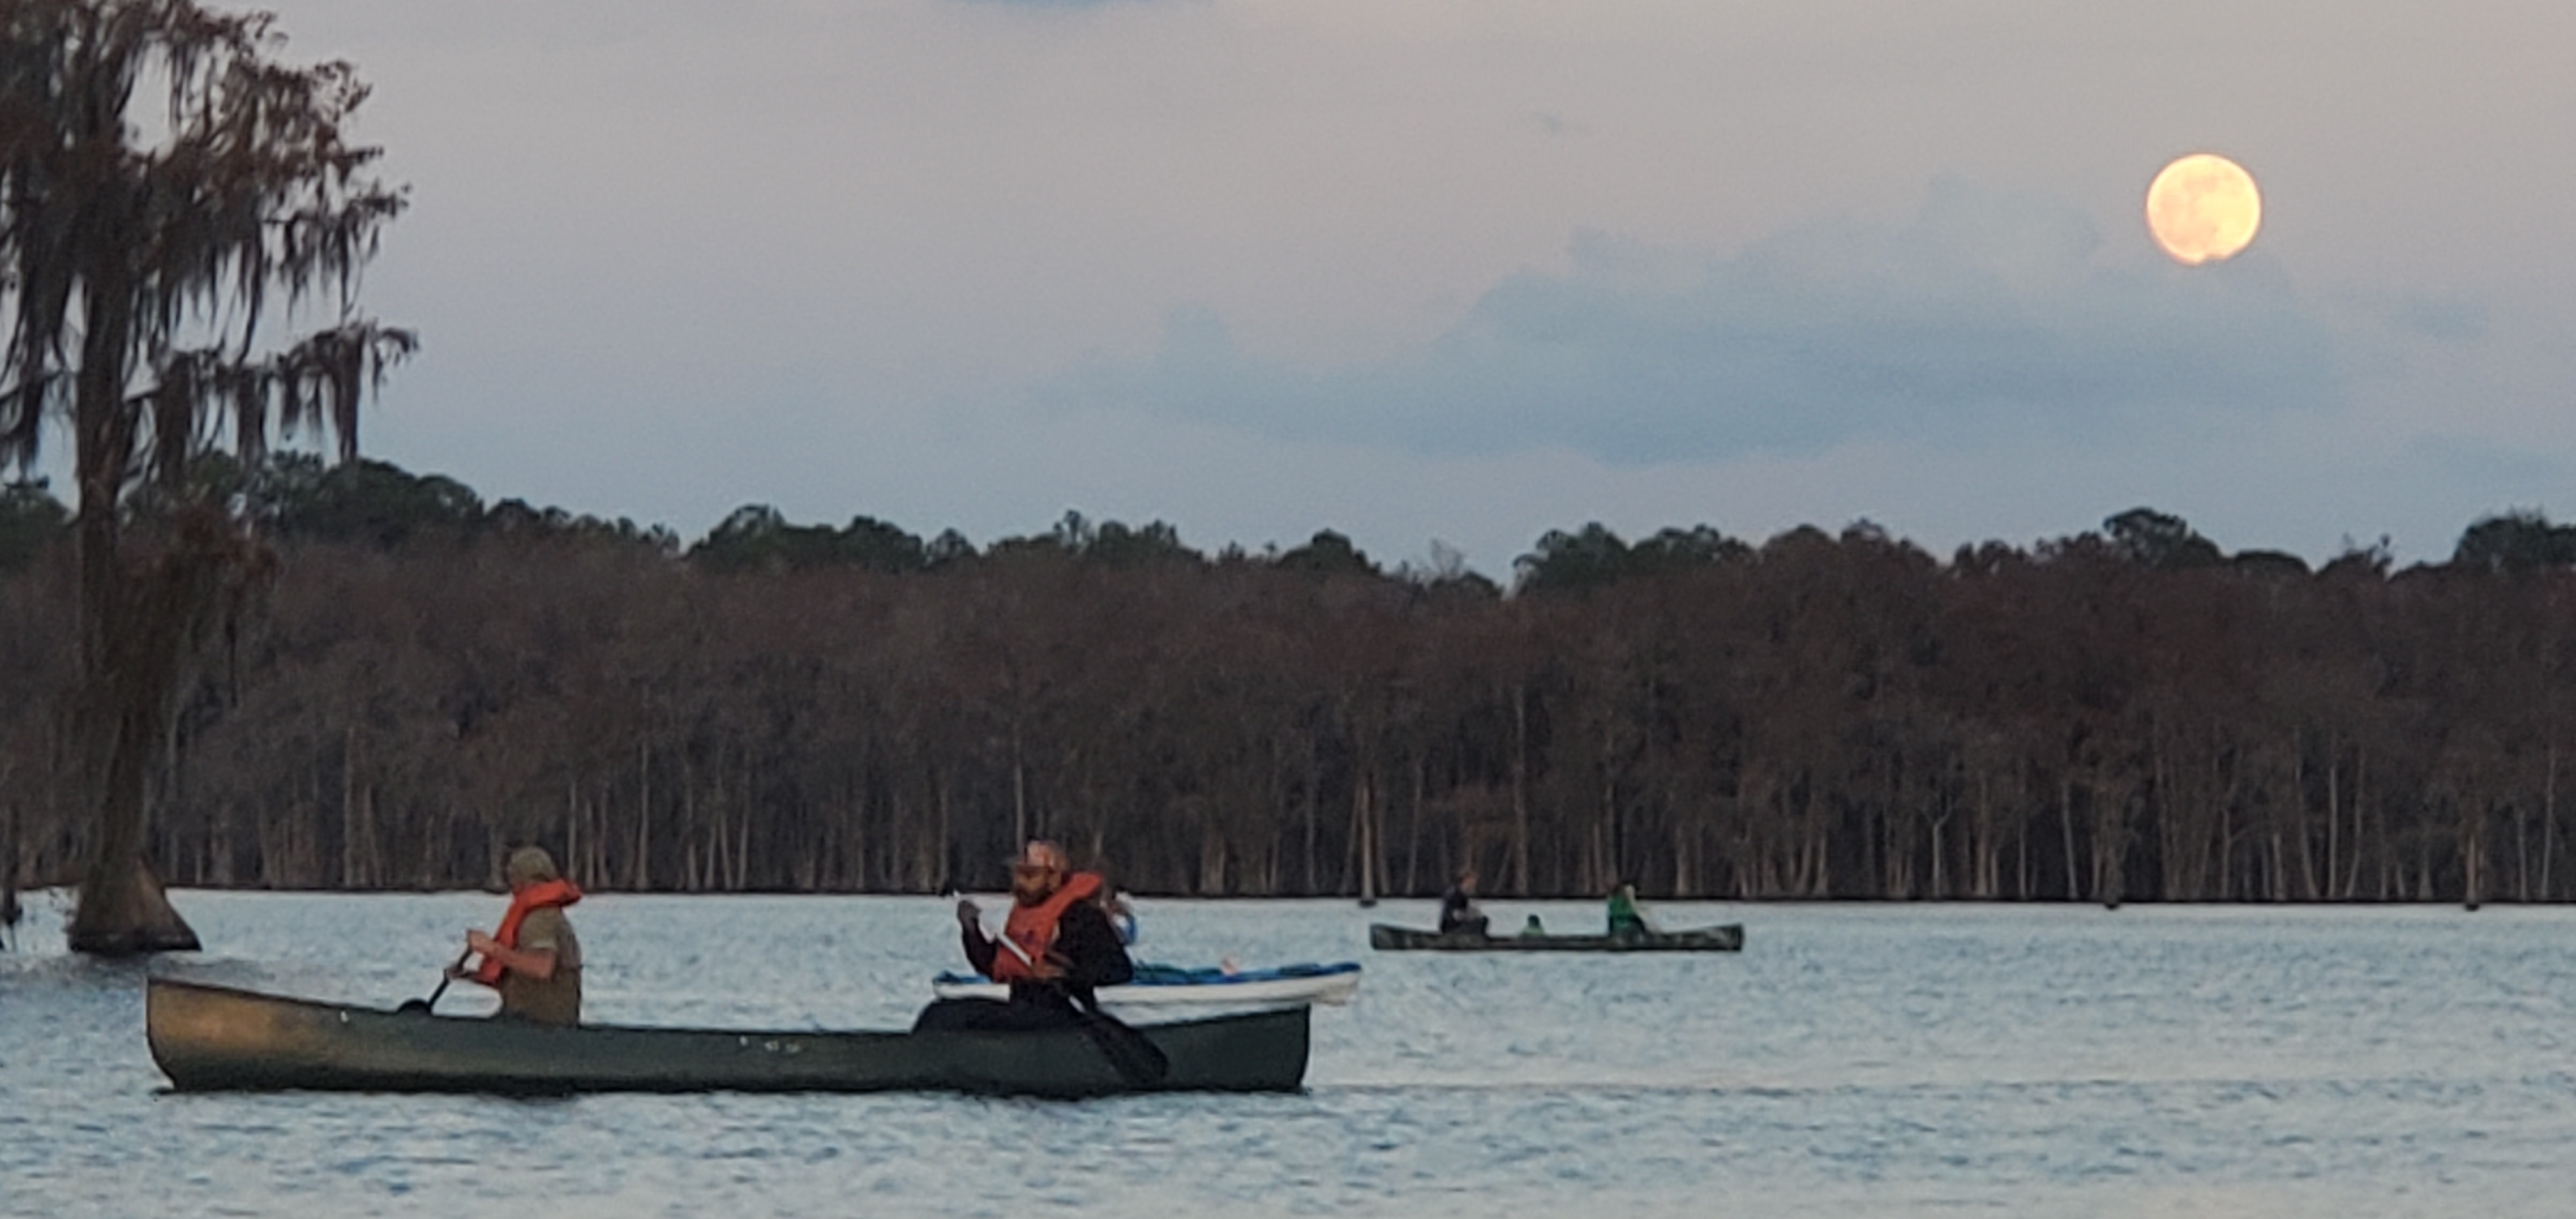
(176, 204)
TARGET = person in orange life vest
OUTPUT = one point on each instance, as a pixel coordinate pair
(533, 960)
(1056, 948)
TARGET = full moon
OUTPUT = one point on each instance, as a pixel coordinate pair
(2203, 208)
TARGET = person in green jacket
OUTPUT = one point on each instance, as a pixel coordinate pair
(1626, 921)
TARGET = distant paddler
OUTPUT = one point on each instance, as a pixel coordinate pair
(1627, 921)
(534, 960)
(1459, 914)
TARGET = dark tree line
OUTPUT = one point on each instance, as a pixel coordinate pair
(2123, 714)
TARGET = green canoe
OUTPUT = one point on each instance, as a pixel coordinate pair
(214, 1037)
(1726, 938)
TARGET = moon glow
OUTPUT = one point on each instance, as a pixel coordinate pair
(2203, 208)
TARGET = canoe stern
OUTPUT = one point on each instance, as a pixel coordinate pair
(203, 1036)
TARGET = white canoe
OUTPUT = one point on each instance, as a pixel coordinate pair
(1162, 992)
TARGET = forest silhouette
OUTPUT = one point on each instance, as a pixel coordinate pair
(2129, 713)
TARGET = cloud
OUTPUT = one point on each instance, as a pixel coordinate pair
(1985, 315)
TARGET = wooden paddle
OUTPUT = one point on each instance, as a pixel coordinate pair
(422, 1006)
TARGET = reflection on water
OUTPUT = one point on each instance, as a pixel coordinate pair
(1853, 1061)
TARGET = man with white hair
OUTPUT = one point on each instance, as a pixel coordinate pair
(533, 960)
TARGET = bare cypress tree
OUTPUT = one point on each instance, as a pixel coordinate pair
(138, 269)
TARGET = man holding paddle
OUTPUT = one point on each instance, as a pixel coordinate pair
(534, 960)
(1056, 948)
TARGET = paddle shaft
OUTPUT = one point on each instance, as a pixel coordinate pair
(444, 979)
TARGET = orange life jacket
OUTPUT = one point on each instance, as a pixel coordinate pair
(1032, 928)
(555, 893)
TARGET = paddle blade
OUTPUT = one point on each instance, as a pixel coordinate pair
(1138, 1061)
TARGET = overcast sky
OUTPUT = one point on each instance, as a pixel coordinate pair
(1463, 272)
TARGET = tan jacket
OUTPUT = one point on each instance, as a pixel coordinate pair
(555, 1000)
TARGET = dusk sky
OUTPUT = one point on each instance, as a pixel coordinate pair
(1460, 273)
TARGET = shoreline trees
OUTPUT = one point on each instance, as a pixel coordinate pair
(2125, 715)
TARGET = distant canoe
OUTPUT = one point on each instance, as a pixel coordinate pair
(1163, 992)
(214, 1037)
(1726, 938)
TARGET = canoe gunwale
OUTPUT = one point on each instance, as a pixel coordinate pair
(1160, 1000)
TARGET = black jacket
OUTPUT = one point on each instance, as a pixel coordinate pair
(1458, 911)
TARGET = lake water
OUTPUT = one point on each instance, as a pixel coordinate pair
(1878, 1060)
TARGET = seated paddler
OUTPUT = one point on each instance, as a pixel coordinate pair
(533, 959)
(1056, 948)
(1459, 913)
(1627, 921)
